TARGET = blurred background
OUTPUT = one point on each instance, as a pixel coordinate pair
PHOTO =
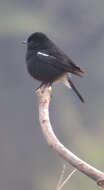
(26, 161)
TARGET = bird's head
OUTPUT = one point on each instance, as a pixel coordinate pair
(38, 40)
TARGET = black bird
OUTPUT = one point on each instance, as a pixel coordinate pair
(47, 63)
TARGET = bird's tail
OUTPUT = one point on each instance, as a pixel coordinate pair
(75, 90)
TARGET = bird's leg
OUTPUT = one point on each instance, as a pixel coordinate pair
(45, 85)
(39, 89)
(40, 86)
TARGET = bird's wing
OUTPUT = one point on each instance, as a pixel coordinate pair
(59, 61)
(45, 57)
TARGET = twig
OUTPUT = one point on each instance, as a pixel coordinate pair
(52, 140)
(61, 177)
(65, 181)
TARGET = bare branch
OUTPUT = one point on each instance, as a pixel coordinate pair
(52, 140)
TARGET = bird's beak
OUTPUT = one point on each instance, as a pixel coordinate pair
(24, 42)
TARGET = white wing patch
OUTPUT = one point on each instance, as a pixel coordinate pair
(44, 54)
